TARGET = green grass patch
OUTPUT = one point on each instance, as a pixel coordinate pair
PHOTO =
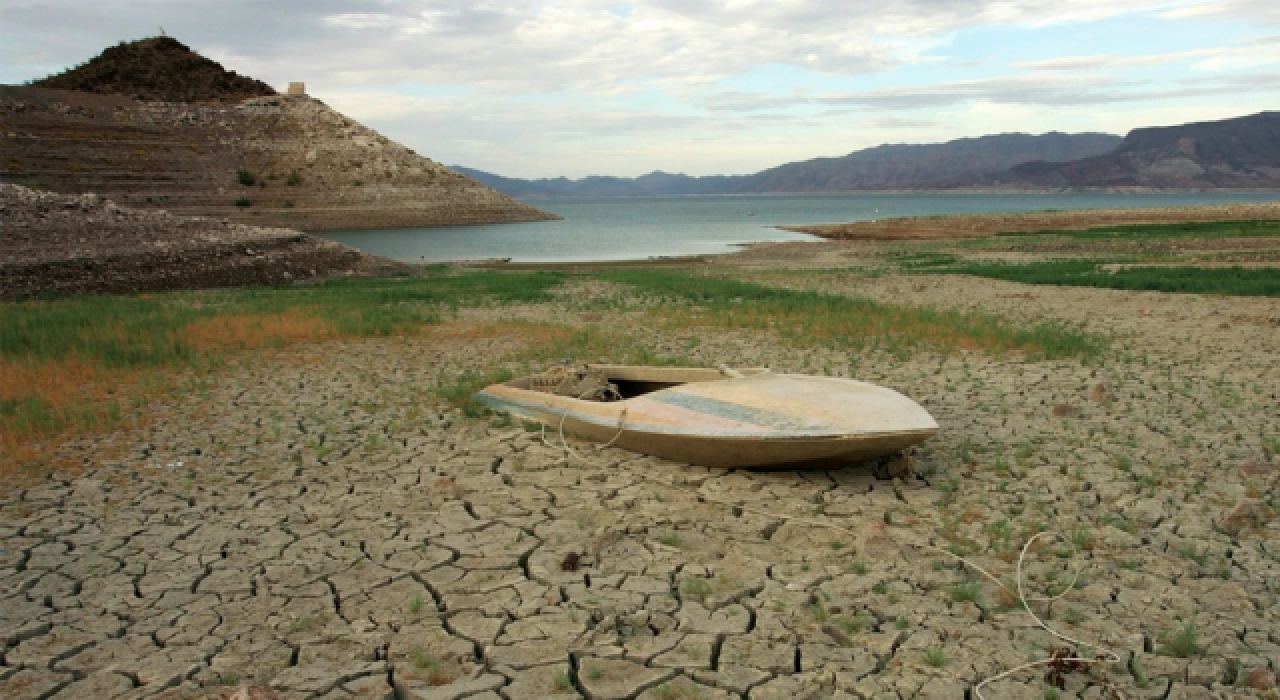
(1233, 281)
(808, 317)
(1183, 643)
(84, 364)
(1197, 229)
(144, 331)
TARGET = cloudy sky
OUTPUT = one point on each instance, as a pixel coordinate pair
(534, 88)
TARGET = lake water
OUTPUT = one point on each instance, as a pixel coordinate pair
(596, 229)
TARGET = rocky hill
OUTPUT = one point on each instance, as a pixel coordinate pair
(68, 244)
(1239, 153)
(890, 166)
(269, 160)
(159, 69)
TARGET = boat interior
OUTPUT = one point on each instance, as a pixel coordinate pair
(620, 382)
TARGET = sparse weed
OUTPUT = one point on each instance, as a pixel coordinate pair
(1184, 643)
(969, 592)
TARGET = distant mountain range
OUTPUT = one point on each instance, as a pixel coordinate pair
(891, 166)
(1239, 153)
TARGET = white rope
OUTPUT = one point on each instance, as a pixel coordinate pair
(1110, 655)
(564, 442)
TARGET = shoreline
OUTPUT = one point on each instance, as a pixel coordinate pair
(955, 226)
(959, 192)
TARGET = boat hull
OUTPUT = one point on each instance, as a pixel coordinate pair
(761, 420)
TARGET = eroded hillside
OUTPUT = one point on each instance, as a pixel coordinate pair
(152, 124)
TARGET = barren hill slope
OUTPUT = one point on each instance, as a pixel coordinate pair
(1239, 153)
(269, 160)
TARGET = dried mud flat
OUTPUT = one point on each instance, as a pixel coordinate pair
(317, 525)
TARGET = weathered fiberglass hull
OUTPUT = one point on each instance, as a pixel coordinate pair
(701, 416)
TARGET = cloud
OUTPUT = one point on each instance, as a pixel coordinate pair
(898, 123)
(589, 85)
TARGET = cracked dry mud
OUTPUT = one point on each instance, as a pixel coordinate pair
(317, 524)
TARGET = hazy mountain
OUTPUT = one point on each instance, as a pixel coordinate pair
(1243, 152)
(890, 166)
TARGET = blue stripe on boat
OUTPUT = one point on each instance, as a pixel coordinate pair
(737, 412)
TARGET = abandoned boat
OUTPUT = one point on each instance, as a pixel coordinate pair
(718, 418)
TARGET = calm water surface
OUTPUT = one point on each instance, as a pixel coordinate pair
(614, 228)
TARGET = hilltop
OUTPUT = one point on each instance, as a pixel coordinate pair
(152, 124)
(159, 69)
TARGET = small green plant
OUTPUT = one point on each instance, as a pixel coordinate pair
(246, 178)
(1051, 693)
(1189, 552)
(837, 544)
(819, 613)
(288, 204)
(594, 672)
(670, 538)
(969, 592)
(1140, 678)
(936, 658)
(243, 202)
(561, 682)
(1082, 538)
(303, 624)
(858, 567)
(1073, 617)
(901, 623)
(854, 624)
(415, 604)
(424, 660)
(1184, 643)
(880, 588)
(294, 179)
(230, 678)
(696, 587)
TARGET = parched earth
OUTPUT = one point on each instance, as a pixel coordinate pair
(317, 524)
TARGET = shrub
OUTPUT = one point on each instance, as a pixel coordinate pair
(243, 202)
(936, 658)
(1184, 643)
(294, 179)
(246, 178)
